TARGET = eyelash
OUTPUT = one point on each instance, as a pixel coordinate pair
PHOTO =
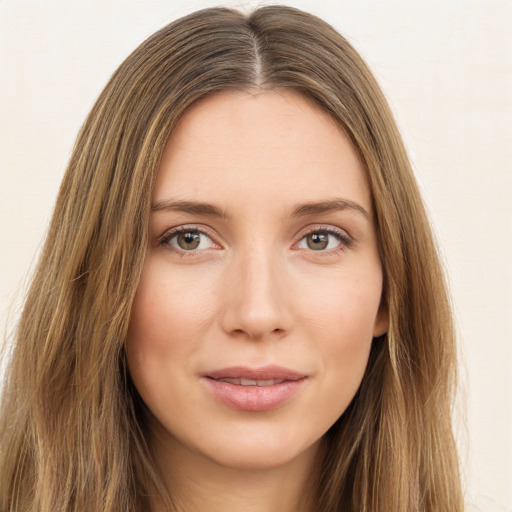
(167, 237)
(345, 241)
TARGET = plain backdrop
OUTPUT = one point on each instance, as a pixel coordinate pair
(446, 67)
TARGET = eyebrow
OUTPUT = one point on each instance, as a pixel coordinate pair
(331, 205)
(192, 207)
(210, 210)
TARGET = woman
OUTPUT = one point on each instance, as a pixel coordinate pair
(239, 303)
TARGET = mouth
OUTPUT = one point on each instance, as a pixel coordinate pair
(254, 389)
(251, 382)
(263, 376)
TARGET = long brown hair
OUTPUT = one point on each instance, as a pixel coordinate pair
(72, 428)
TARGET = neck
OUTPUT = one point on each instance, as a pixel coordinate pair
(197, 484)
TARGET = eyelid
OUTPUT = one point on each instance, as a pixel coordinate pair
(343, 236)
(185, 228)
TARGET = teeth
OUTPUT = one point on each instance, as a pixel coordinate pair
(251, 382)
(231, 381)
(247, 382)
(270, 382)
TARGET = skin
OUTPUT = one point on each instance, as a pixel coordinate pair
(259, 289)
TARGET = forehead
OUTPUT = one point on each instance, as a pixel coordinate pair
(271, 145)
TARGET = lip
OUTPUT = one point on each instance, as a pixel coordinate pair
(255, 398)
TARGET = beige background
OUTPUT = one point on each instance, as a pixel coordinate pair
(446, 67)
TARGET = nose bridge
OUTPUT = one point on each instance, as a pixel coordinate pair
(256, 300)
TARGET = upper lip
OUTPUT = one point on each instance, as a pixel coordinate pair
(271, 372)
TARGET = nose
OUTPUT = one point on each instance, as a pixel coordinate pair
(256, 297)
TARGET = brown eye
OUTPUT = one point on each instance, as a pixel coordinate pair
(188, 241)
(317, 241)
(325, 240)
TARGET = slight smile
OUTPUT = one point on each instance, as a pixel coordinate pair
(254, 389)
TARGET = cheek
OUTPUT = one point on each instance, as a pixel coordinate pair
(167, 321)
(341, 324)
(345, 312)
(169, 307)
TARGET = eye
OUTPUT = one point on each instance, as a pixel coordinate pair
(324, 240)
(187, 240)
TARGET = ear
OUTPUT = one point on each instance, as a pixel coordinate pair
(381, 325)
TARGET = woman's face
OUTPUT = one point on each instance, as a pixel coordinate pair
(260, 294)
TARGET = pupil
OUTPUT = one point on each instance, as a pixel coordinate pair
(318, 241)
(188, 240)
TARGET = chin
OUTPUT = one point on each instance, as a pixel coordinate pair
(262, 450)
(261, 446)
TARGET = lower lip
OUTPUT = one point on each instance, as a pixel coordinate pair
(254, 398)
